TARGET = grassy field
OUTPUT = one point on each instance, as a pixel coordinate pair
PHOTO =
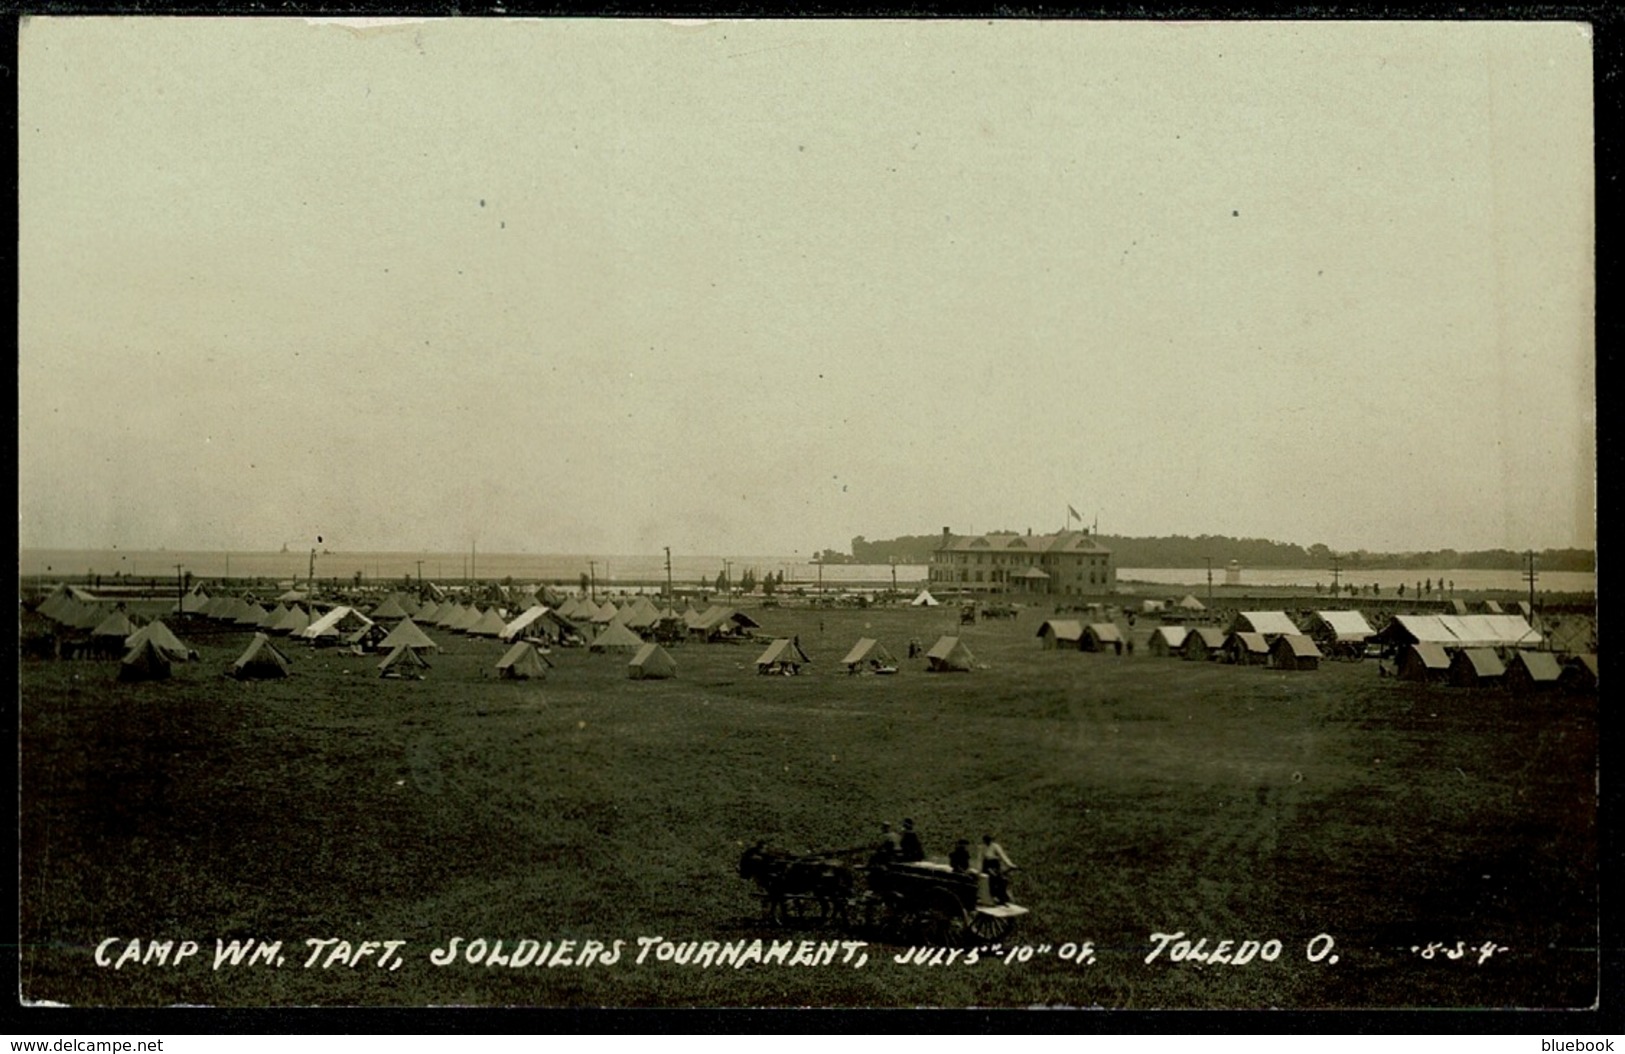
(1140, 796)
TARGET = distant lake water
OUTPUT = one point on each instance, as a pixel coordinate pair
(1389, 581)
(688, 570)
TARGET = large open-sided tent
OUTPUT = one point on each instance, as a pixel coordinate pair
(1271, 624)
(342, 622)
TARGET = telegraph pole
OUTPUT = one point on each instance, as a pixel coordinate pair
(180, 591)
(893, 562)
(728, 577)
(1530, 576)
(1209, 560)
(1337, 568)
(592, 580)
(669, 591)
(420, 574)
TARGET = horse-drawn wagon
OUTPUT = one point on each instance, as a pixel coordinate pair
(926, 901)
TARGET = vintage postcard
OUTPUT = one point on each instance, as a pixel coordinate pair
(649, 513)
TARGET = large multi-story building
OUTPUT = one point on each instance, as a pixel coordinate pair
(1061, 564)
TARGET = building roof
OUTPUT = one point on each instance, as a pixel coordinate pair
(1268, 623)
(1346, 625)
(1059, 542)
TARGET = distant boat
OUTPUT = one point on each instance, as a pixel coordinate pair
(284, 546)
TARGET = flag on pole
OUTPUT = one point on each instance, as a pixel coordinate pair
(1074, 513)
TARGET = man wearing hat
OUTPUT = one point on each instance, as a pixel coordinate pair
(913, 850)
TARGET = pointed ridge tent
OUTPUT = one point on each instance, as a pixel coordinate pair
(260, 661)
(1294, 652)
(88, 616)
(1269, 623)
(1203, 642)
(948, 655)
(447, 614)
(523, 662)
(403, 662)
(427, 613)
(465, 618)
(216, 607)
(490, 624)
(233, 609)
(782, 656)
(1247, 649)
(569, 606)
(390, 609)
(250, 615)
(1525, 610)
(295, 621)
(616, 637)
(294, 596)
(406, 634)
(1148, 606)
(1529, 671)
(192, 603)
(117, 624)
(924, 600)
(144, 662)
(1166, 641)
(1426, 661)
(161, 637)
(1475, 667)
(1190, 603)
(1100, 636)
(651, 663)
(695, 619)
(606, 613)
(1455, 607)
(1342, 627)
(637, 618)
(869, 655)
(1060, 632)
(272, 617)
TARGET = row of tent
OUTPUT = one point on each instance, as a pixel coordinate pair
(1283, 651)
(1524, 670)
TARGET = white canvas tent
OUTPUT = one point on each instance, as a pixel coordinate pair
(924, 600)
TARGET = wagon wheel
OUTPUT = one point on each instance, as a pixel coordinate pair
(800, 911)
(991, 929)
(946, 920)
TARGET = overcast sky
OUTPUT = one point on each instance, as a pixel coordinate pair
(594, 286)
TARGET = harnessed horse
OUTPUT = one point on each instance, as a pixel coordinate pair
(811, 888)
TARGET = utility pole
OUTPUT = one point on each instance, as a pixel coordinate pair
(893, 562)
(728, 578)
(1530, 576)
(1209, 560)
(420, 574)
(820, 576)
(592, 580)
(311, 573)
(473, 560)
(669, 591)
(1337, 570)
(180, 591)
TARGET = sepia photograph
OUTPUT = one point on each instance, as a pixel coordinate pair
(613, 513)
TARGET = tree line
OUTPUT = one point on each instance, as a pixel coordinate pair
(1193, 551)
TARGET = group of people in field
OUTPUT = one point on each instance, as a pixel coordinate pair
(988, 858)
